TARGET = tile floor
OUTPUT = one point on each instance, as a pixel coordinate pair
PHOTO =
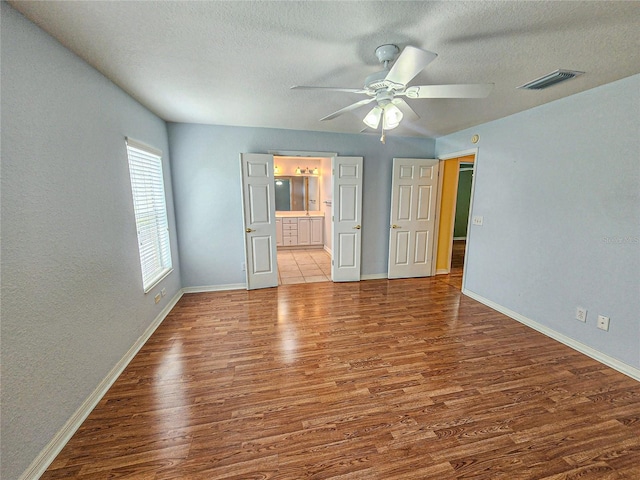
(303, 266)
(314, 265)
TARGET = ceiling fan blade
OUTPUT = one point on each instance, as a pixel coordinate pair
(408, 112)
(477, 90)
(335, 89)
(410, 62)
(347, 109)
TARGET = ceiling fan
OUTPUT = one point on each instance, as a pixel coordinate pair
(387, 86)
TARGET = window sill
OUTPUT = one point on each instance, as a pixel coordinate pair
(161, 277)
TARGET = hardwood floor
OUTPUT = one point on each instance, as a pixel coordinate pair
(457, 253)
(454, 277)
(371, 380)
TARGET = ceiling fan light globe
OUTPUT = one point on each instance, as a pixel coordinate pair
(389, 126)
(372, 120)
(392, 116)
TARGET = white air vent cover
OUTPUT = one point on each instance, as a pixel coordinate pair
(550, 79)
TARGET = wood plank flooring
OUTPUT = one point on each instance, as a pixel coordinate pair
(401, 379)
(454, 277)
(457, 254)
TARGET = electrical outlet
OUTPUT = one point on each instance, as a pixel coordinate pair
(477, 219)
(603, 323)
(243, 266)
(157, 298)
(163, 292)
(581, 314)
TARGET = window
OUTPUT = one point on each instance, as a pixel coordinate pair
(147, 187)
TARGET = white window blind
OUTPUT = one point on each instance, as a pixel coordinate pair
(147, 186)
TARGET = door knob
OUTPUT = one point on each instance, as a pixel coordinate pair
(249, 230)
(395, 226)
(357, 227)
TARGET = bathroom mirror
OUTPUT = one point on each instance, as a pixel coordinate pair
(297, 194)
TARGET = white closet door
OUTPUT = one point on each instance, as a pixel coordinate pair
(413, 210)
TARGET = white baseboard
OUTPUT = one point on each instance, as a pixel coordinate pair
(603, 358)
(328, 250)
(60, 439)
(442, 271)
(459, 238)
(215, 288)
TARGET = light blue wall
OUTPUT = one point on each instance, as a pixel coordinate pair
(206, 179)
(559, 189)
(72, 300)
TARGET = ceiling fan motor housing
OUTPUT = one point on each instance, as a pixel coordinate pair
(387, 53)
(383, 97)
(377, 81)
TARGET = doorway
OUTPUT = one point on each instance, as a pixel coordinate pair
(455, 205)
(461, 221)
(303, 218)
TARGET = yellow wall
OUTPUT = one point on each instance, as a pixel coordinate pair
(450, 173)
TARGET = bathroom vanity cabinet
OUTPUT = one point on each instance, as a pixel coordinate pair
(299, 231)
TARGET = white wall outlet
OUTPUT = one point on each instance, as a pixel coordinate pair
(163, 292)
(477, 220)
(581, 314)
(243, 266)
(157, 298)
(603, 323)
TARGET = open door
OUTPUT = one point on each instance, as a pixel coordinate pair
(347, 218)
(258, 199)
(413, 211)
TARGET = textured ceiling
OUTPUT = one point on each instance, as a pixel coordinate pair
(232, 63)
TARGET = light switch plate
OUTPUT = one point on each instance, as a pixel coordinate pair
(478, 219)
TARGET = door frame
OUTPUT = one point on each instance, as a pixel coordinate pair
(304, 154)
(443, 158)
(464, 167)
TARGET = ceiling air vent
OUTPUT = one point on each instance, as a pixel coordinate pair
(550, 79)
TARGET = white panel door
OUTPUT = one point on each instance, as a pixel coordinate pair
(258, 198)
(413, 210)
(347, 218)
